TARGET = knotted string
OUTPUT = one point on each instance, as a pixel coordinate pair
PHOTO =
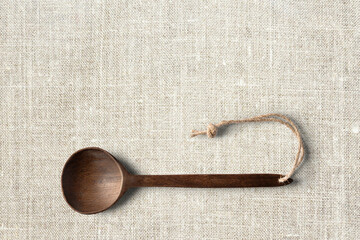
(273, 117)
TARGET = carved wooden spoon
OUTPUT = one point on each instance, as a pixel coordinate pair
(93, 180)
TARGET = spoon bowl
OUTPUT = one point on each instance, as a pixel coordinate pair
(92, 180)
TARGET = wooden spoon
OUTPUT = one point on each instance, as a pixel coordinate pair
(93, 180)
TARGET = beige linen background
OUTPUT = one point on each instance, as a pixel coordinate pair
(134, 77)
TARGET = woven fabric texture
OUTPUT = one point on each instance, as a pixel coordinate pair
(134, 77)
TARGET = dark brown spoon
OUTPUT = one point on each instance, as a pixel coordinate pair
(93, 180)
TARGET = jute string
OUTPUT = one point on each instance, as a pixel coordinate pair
(273, 117)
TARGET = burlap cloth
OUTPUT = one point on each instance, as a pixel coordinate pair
(134, 77)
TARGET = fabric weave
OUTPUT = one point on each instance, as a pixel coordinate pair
(134, 77)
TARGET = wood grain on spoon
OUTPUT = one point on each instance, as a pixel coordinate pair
(93, 180)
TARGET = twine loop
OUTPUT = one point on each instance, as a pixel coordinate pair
(212, 130)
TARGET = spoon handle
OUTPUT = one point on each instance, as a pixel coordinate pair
(207, 180)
